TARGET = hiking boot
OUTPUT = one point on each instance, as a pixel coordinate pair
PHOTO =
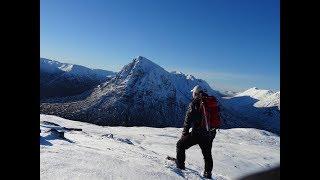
(207, 175)
(180, 166)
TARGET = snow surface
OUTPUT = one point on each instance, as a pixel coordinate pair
(103, 152)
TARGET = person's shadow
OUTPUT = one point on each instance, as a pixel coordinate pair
(44, 142)
(54, 134)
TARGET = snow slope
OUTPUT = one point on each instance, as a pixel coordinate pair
(99, 152)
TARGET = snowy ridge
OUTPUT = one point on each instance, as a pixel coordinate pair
(99, 152)
(256, 93)
(72, 69)
(270, 101)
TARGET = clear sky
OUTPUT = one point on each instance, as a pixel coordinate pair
(232, 44)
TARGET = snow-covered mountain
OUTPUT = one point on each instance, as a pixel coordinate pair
(266, 98)
(229, 93)
(53, 66)
(104, 152)
(141, 94)
(257, 107)
(63, 79)
(144, 94)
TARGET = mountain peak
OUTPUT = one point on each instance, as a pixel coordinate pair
(144, 62)
(139, 65)
(141, 58)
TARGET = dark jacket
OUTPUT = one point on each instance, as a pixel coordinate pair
(194, 117)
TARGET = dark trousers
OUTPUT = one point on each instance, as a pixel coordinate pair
(205, 143)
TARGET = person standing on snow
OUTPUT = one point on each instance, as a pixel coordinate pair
(201, 134)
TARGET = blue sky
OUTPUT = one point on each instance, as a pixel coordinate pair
(233, 45)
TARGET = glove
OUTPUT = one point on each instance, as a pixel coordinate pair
(184, 133)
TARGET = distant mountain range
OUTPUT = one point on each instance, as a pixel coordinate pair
(256, 108)
(144, 94)
(229, 93)
(63, 79)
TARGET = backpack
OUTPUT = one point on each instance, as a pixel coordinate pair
(209, 108)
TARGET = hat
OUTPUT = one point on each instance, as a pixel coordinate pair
(196, 89)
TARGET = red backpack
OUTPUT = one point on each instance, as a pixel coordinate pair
(209, 107)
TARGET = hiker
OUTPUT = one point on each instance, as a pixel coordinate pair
(201, 133)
